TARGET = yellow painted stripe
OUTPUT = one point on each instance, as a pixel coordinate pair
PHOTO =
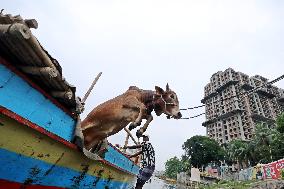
(24, 140)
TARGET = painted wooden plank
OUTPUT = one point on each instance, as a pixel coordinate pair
(27, 123)
(120, 160)
(35, 86)
(19, 97)
(23, 169)
(27, 142)
(17, 185)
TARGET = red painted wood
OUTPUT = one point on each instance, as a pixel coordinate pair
(35, 86)
(5, 184)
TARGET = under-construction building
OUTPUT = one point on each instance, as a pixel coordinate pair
(235, 102)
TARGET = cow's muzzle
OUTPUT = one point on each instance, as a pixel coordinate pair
(178, 116)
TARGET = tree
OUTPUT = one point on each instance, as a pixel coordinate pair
(174, 166)
(263, 139)
(280, 123)
(202, 150)
(266, 145)
(277, 144)
(237, 150)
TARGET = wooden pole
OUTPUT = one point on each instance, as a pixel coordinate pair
(131, 136)
(126, 142)
(47, 71)
(62, 94)
(91, 87)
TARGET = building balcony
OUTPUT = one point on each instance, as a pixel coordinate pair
(265, 92)
(219, 89)
(247, 87)
(223, 116)
(257, 118)
(281, 100)
(208, 97)
(227, 84)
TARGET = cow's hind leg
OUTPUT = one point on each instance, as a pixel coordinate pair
(100, 148)
(145, 126)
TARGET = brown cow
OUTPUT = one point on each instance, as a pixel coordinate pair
(132, 106)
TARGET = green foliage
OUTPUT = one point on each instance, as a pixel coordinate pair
(237, 150)
(282, 173)
(280, 123)
(262, 142)
(202, 150)
(174, 166)
(267, 145)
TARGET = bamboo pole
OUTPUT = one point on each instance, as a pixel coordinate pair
(126, 142)
(131, 136)
(91, 87)
(62, 94)
(46, 71)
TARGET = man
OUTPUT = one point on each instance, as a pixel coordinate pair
(147, 161)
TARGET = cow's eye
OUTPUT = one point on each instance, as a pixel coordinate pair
(172, 96)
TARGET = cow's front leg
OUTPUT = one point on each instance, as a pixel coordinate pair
(138, 120)
(140, 132)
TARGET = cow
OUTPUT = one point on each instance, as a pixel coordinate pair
(131, 107)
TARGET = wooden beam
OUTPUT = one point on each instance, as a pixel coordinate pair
(18, 29)
(31, 23)
(21, 31)
(62, 94)
(46, 71)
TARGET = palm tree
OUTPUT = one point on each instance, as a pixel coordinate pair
(263, 138)
(238, 151)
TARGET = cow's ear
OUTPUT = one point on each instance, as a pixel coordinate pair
(159, 90)
(167, 87)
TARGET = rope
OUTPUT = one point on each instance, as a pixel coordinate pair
(193, 107)
(276, 80)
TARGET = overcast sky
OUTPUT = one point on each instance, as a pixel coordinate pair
(147, 43)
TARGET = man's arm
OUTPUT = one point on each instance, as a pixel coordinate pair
(133, 147)
(136, 154)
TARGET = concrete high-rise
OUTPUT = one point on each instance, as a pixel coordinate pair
(231, 115)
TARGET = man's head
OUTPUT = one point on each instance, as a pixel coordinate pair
(145, 137)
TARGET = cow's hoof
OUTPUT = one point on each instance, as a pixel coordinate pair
(137, 122)
(131, 126)
(139, 134)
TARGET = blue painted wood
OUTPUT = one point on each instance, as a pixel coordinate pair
(20, 168)
(120, 160)
(19, 97)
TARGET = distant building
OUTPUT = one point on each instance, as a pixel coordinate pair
(230, 115)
